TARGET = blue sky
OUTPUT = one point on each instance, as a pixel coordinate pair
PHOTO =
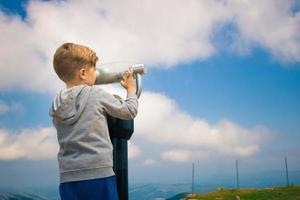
(221, 70)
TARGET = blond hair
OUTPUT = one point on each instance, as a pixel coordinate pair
(70, 58)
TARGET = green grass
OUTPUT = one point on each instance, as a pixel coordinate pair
(274, 193)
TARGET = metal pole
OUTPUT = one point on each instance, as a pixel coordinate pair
(286, 172)
(193, 175)
(120, 132)
(237, 174)
(120, 159)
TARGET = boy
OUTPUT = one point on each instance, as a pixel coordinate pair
(79, 115)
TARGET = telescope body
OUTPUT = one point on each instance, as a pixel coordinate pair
(114, 72)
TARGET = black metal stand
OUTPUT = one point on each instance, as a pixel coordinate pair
(120, 131)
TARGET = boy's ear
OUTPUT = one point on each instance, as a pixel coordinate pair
(82, 73)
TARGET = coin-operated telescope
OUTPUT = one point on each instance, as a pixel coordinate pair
(113, 72)
(120, 130)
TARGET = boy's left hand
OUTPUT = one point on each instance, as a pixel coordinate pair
(127, 81)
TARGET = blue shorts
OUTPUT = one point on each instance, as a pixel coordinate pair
(94, 189)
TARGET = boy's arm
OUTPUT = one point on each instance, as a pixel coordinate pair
(122, 109)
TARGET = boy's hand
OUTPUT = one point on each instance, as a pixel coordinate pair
(127, 81)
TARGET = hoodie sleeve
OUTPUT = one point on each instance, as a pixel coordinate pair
(122, 109)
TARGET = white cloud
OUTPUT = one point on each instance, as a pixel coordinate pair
(149, 162)
(160, 121)
(14, 106)
(134, 151)
(269, 23)
(32, 144)
(116, 31)
(38, 144)
(166, 32)
(183, 155)
(176, 155)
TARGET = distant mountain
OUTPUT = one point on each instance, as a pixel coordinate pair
(29, 193)
(178, 196)
(161, 191)
(153, 191)
(20, 196)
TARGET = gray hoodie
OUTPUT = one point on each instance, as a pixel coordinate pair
(79, 116)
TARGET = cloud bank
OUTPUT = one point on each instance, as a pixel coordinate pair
(38, 144)
(161, 122)
(270, 24)
(31, 144)
(160, 33)
(134, 151)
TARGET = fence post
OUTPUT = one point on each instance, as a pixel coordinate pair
(193, 175)
(237, 174)
(286, 172)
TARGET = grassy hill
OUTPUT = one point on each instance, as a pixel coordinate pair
(274, 193)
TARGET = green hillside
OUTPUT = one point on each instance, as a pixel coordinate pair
(274, 193)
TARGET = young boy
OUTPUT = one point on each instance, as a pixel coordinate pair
(79, 115)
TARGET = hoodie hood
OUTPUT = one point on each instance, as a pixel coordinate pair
(68, 104)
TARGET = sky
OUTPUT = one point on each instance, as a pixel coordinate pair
(222, 83)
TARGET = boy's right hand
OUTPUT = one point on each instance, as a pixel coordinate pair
(128, 82)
